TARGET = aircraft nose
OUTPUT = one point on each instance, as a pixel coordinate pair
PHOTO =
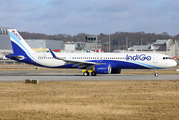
(173, 63)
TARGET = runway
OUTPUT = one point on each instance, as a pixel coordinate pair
(67, 75)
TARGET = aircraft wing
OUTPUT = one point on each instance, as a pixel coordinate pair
(81, 64)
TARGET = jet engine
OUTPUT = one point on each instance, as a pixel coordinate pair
(103, 69)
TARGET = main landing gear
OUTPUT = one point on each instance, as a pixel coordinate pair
(86, 73)
(155, 73)
(93, 73)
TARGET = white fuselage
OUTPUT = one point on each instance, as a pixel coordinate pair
(147, 60)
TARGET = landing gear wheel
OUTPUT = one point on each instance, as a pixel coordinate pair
(93, 73)
(156, 75)
(86, 73)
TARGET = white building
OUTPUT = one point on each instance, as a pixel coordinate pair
(42, 43)
(69, 46)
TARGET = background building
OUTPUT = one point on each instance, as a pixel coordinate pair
(80, 45)
(176, 51)
(162, 45)
(92, 43)
(140, 48)
(5, 43)
(69, 46)
(41, 43)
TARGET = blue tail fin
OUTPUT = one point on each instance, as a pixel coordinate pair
(22, 51)
(18, 43)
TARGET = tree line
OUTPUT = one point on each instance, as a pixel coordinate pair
(117, 40)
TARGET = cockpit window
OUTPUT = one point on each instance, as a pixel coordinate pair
(165, 58)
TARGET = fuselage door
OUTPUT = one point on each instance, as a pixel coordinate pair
(155, 58)
(69, 57)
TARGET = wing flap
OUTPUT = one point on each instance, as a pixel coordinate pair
(81, 64)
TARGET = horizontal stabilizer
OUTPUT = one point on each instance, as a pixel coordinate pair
(20, 57)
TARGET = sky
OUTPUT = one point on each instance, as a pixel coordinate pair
(90, 16)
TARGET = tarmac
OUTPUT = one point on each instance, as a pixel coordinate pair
(73, 75)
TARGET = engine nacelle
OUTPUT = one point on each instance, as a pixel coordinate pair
(103, 69)
(116, 71)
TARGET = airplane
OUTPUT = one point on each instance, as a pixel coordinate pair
(93, 63)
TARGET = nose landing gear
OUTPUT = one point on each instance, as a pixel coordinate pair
(155, 73)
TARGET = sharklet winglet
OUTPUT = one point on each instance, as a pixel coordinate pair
(54, 56)
(52, 53)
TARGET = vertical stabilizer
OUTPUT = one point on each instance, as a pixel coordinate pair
(18, 43)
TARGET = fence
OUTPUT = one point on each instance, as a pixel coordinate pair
(10, 62)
